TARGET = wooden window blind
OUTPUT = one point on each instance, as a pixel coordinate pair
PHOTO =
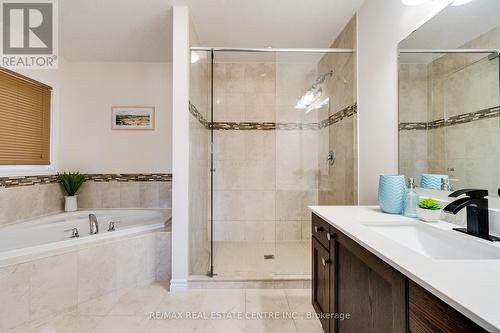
(24, 120)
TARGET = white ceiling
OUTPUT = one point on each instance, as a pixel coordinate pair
(115, 30)
(140, 30)
(276, 23)
(455, 26)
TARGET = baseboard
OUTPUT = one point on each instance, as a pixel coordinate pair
(178, 285)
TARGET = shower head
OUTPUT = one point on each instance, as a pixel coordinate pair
(321, 79)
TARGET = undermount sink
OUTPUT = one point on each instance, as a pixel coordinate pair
(436, 243)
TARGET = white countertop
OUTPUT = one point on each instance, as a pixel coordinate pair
(471, 286)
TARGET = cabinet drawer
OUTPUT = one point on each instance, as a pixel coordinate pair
(429, 314)
(320, 230)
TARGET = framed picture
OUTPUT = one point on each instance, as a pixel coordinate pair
(132, 118)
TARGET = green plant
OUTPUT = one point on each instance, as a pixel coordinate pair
(427, 203)
(71, 181)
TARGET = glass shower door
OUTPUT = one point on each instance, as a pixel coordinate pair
(276, 117)
(244, 159)
(315, 122)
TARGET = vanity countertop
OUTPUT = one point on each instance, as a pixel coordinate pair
(471, 286)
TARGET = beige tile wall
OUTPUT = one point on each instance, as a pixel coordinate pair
(36, 289)
(264, 180)
(24, 202)
(125, 195)
(337, 183)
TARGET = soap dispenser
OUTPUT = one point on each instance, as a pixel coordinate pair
(411, 201)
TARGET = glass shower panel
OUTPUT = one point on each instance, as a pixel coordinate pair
(199, 155)
(300, 99)
(315, 122)
(276, 118)
(244, 159)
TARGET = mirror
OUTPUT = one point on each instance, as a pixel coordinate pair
(449, 95)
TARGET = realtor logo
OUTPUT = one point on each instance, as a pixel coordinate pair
(29, 33)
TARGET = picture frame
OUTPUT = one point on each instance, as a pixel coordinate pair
(133, 118)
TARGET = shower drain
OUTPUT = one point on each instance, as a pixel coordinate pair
(268, 256)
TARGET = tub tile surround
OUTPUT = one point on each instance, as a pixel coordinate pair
(38, 289)
(33, 196)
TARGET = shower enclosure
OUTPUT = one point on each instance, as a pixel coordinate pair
(272, 132)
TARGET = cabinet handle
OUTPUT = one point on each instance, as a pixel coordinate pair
(325, 261)
(318, 229)
(330, 236)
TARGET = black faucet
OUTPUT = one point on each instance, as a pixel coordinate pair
(477, 212)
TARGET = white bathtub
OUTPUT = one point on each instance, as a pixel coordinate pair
(48, 233)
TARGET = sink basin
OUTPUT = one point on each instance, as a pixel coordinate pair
(436, 243)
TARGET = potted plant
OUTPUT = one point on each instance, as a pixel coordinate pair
(428, 210)
(71, 182)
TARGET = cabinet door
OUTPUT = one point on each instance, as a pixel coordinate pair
(369, 290)
(430, 314)
(321, 281)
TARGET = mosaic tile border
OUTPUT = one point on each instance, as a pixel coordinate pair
(493, 112)
(52, 179)
(197, 114)
(267, 126)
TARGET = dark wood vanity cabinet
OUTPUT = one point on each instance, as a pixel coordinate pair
(321, 281)
(350, 281)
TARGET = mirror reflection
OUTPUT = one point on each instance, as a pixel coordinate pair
(449, 127)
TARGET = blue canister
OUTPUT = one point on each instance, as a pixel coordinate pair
(392, 193)
(432, 181)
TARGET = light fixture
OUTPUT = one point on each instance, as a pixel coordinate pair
(460, 2)
(414, 2)
(311, 96)
(309, 101)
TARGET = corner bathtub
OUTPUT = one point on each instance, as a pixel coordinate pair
(45, 273)
(48, 232)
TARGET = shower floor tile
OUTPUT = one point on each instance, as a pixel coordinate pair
(246, 259)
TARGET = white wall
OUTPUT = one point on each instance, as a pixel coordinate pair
(382, 24)
(180, 135)
(87, 142)
(85, 92)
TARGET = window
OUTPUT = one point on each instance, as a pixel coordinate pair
(24, 120)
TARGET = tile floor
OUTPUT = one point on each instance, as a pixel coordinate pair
(290, 257)
(129, 311)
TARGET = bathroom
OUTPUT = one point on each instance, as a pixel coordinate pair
(211, 166)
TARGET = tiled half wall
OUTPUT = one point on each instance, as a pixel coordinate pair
(31, 196)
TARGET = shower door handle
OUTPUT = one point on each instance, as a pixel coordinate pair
(331, 158)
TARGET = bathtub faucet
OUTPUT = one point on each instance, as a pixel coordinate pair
(93, 225)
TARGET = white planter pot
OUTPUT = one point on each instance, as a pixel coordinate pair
(429, 215)
(70, 204)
